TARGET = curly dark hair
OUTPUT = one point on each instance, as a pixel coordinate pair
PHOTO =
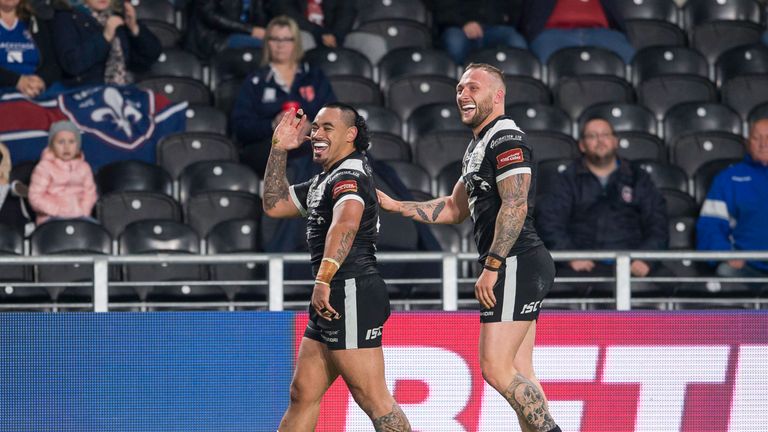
(353, 118)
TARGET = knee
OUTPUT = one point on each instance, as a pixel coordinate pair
(497, 376)
(525, 369)
(303, 395)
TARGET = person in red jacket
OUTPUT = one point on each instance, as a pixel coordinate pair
(62, 183)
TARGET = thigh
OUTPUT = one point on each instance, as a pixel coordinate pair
(500, 343)
(243, 41)
(550, 41)
(361, 369)
(315, 371)
(503, 35)
(613, 40)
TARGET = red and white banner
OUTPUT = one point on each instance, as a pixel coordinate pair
(619, 372)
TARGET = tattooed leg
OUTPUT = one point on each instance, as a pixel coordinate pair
(530, 404)
(395, 421)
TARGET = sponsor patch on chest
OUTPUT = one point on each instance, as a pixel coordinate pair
(509, 157)
(343, 187)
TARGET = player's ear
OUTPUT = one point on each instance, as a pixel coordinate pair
(351, 134)
(498, 97)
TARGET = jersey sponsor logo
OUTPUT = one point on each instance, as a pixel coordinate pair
(741, 179)
(374, 333)
(509, 157)
(530, 307)
(504, 139)
(15, 57)
(344, 186)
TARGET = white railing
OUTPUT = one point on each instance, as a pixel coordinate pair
(450, 271)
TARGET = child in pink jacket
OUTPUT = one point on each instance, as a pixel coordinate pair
(62, 183)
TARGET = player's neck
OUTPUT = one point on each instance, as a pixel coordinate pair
(491, 117)
(330, 163)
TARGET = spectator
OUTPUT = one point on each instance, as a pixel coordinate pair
(734, 213)
(12, 211)
(601, 202)
(96, 44)
(551, 25)
(27, 58)
(328, 21)
(281, 83)
(474, 24)
(62, 183)
(219, 24)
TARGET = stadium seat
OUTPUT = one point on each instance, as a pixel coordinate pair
(692, 151)
(575, 94)
(714, 38)
(742, 60)
(540, 117)
(178, 89)
(133, 175)
(547, 173)
(658, 61)
(551, 145)
(413, 61)
(216, 175)
(679, 204)
(523, 89)
(699, 117)
(340, 61)
(664, 175)
(178, 63)
(204, 210)
(450, 241)
(232, 237)
(511, 61)
(745, 92)
(355, 90)
(386, 146)
(682, 230)
(380, 119)
(624, 117)
(160, 10)
(234, 63)
(441, 116)
(704, 11)
(641, 145)
(703, 177)
(413, 10)
(226, 93)
(413, 176)
(371, 45)
(437, 149)
(578, 61)
(447, 178)
(399, 33)
(647, 33)
(758, 112)
(164, 237)
(408, 93)
(12, 244)
(168, 34)
(662, 93)
(177, 151)
(203, 118)
(117, 210)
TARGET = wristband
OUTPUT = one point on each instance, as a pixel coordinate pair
(322, 283)
(326, 271)
(493, 261)
(493, 269)
(332, 261)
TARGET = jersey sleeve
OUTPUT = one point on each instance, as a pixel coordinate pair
(346, 185)
(299, 193)
(509, 154)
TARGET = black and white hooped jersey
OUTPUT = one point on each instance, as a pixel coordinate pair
(499, 151)
(350, 178)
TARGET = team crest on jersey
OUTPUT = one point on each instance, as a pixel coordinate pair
(509, 157)
(626, 194)
(343, 187)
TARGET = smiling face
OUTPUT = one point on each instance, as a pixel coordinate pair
(479, 97)
(64, 146)
(332, 137)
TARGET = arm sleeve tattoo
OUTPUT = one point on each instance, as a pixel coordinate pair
(511, 216)
(275, 182)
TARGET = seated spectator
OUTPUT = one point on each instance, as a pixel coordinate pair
(281, 83)
(27, 58)
(96, 44)
(62, 184)
(471, 25)
(328, 21)
(219, 24)
(601, 202)
(551, 25)
(735, 211)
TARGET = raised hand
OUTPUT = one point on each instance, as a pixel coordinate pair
(291, 132)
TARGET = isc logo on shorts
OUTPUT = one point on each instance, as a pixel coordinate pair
(373, 333)
(530, 307)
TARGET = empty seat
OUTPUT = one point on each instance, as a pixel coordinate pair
(117, 210)
(232, 237)
(624, 117)
(692, 151)
(547, 174)
(12, 243)
(664, 175)
(703, 177)
(380, 119)
(641, 145)
(576, 61)
(643, 33)
(511, 61)
(437, 149)
(226, 93)
(441, 116)
(168, 34)
(399, 33)
(355, 90)
(447, 178)
(575, 94)
(408, 93)
(659, 61)
(413, 176)
(217, 175)
(206, 209)
(703, 11)
(178, 89)
(340, 61)
(385, 146)
(369, 44)
(649, 9)
(131, 175)
(551, 145)
(177, 151)
(679, 203)
(662, 93)
(413, 61)
(176, 62)
(203, 118)
(524, 89)
(715, 38)
(234, 63)
(745, 92)
(540, 117)
(742, 60)
(682, 230)
(388, 9)
(699, 117)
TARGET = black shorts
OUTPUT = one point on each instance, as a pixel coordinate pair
(363, 303)
(521, 287)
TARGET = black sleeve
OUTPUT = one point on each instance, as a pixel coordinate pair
(299, 193)
(348, 184)
(344, 13)
(8, 78)
(447, 13)
(508, 154)
(49, 69)
(212, 16)
(145, 48)
(653, 214)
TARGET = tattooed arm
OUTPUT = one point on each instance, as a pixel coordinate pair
(444, 210)
(288, 135)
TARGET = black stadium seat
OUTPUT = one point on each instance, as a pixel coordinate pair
(203, 118)
(216, 175)
(647, 33)
(388, 9)
(704, 11)
(679, 203)
(380, 119)
(355, 90)
(524, 89)
(399, 33)
(437, 149)
(745, 92)
(441, 116)
(575, 94)
(657, 61)
(176, 62)
(447, 178)
(12, 244)
(133, 175)
(665, 176)
(511, 61)
(692, 151)
(408, 93)
(160, 10)
(551, 145)
(413, 176)
(578, 61)
(715, 38)
(340, 62)
(234, 63)
(742, 60)
(682, 231)
(117, 210)
(695, 117)
(703, 177)
(178, 89)
(662, 93)
(231, 237)
(413, 61)
(206, 209)
(540, 117)
(641, 145)
(386, 146)
(649, 9)
(624, 117)
(168, 34)
(177, 151)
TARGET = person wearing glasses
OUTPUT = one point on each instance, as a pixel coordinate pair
(282, 82)
(602, 202)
